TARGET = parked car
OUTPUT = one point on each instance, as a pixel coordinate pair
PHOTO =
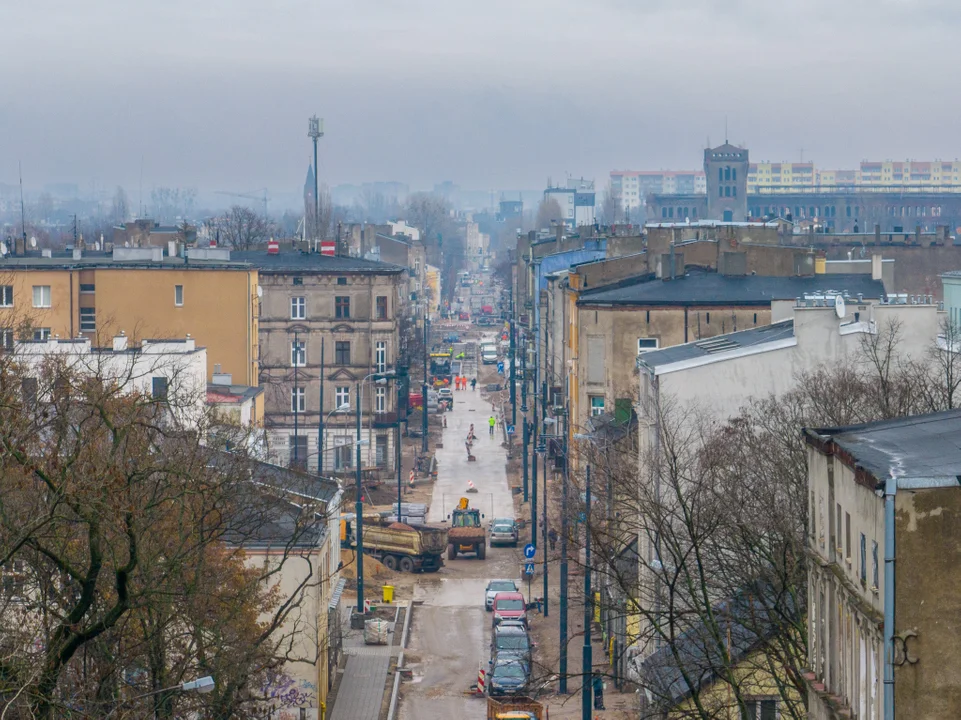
(509, 606)
(445, 393)
(508, 677)
(503, 532)
(509, 641)
(494, 587)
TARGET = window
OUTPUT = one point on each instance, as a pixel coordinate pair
(727, 173)
(381, 307)
(380, 356)
(298, 280)
(6, 295)
(720, 191)
(847, 537)
(298, 353)
(380, 456)
(597, 405)
(341, 281)
(760, 709)
(380, 400)
(88, 319)
(41, 334)
(178, 295)
(734, 191)
(342, 306)
(158, 389)
(6, 339)
(645, 344)
(87, 288)
(298, 308)
(298, 400)
(30, 387)
(708, 316)
(874, 565)
(342, 352)
(41, 296)
(14, 579)
(342, 396)
(298, 450)
(836, 534)
(720, 174)
(727, 191)
(864, 560)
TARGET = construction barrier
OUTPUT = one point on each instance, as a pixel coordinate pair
(481, 681)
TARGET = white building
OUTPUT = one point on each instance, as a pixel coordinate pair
(171, 370)
(400, 227)
(576, 201)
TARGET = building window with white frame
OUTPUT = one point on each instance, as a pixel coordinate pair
(298, 400)
(41, 334)
(88, 320)
(380, 356)
(645, 344)
(298, 353)
(179, 295)
(380, 400)
(342, 396)
(760, 709)
(597, 405)
(6, 295)
(41, 296)
(298, 308)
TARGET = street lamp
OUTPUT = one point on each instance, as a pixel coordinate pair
(201, 686)
(587, 659)
(381, 378)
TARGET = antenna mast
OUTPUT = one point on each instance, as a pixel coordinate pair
(23, 217)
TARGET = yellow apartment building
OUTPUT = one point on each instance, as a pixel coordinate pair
(139, 292)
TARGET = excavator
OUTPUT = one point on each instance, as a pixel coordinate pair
(466, 533)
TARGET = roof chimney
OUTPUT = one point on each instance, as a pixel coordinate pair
(273, 247)
(120, 342)
(876, 266)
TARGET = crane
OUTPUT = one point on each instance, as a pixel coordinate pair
(249, 196)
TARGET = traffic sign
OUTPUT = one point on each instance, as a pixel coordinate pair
(500, 367)
(529, 568)
(529, 551)
(510, 429)
(581, 517)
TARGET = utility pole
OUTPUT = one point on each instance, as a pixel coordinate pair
(587, 659)
(545, 498)
(315, 132)
(512, 354)
(526, 437)
(296, 401)
(563, 609)
(359, 510)
(423, 441)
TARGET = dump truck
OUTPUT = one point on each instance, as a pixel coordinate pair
(515, 708)
(408, 548)
(467, 534)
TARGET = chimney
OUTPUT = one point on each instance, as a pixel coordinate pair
(877, 234)
(917, 234)
(120, 342)
(876, 266)
(77, 253)
(20, 246)
(273, 247)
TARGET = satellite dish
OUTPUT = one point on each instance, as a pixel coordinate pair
(96, 245)
(126, 243)
(33, 241)
(839, 306)
(260, 291)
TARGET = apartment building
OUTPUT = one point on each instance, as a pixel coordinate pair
(883, 582)
(328, 322)
(633, 186)
(143, 293)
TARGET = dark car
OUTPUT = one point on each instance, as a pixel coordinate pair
(511, 642)
(508, 677)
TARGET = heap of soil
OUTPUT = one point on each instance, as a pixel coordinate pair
(399, 526)
(374, 570)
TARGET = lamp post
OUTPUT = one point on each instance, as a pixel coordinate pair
(359, 503)
(587, 660)
(201, 686)
(526, 438)
(562, 685)
(423, 400)
(344, 407)
(295, 402)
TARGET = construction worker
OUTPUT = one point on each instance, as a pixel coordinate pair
(473, 383)
(492, 422)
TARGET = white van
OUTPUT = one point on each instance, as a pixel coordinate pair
(488, 354)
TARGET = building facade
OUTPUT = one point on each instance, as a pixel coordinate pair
(883, 581)
(327, 322)
(139, 292)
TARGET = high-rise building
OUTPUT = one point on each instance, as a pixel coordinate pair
(726, 168)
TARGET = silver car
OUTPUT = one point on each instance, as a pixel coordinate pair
(494, 587)
(503, 532)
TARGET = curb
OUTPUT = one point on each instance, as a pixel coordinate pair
(405, 635)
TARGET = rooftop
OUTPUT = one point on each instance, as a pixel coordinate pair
(713, 224)
(756, 337)
(101, 259)
(710, 288)
(218, 393)
(923, 451)
(297, 261)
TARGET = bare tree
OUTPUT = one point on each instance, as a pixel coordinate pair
(242, 228)
(548, 211)
(120, 206)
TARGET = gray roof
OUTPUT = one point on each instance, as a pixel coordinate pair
(711, 288)
(296, 261)
(754, 337)
(95, 258)
(922, 451)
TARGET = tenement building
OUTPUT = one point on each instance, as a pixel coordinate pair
(327, 323)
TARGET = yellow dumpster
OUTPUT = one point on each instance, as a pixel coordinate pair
(388, 593)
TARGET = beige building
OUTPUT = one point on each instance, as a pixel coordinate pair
(884, 577)
(337, 318)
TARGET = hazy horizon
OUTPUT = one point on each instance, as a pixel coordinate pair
(501, 95)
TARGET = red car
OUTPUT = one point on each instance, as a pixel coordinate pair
(509, 606)
(463, 316)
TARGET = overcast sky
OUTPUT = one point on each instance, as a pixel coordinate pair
(215, 94)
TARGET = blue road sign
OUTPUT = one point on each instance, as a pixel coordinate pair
(510, 429)
(581, 517)
(529, 551)
(500, 367)
(529, 568)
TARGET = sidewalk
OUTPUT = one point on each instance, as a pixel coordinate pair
(360, 695)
